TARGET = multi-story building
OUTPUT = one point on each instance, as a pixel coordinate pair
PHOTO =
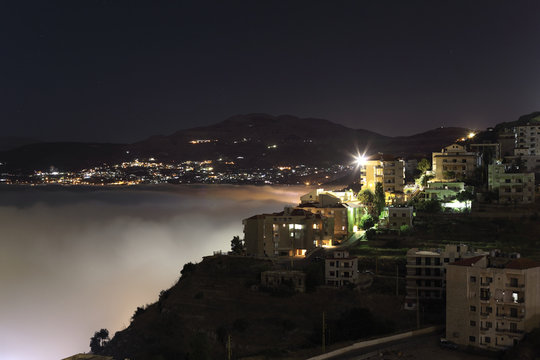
(399, 216)
(327, 198)
(291, 232)
(337, 212)
(426, 272)
(527, 138)
(454, 162)
(386, 169)
(341, 269)
(513, 188)
(491, 302)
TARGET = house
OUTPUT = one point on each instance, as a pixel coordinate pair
(399, 216)
(291, 232)
(492, 301)
(443, 191)
(273, 279)
(341, 269)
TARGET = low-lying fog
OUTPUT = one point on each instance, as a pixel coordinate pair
(73, 261)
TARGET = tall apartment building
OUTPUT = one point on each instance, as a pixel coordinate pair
(341, 269)
(386, 169)
(291, 232)
(491, 302)
(454, 162)
(513, 188)
(426, 272)
(527, 139)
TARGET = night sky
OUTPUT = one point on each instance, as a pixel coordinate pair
(120, 71)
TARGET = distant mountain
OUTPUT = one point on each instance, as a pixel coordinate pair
(12, 142)
(252, 140)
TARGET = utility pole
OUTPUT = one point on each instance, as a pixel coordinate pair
(397, 280)
(229, 347)
(417, 309)
(323, 333)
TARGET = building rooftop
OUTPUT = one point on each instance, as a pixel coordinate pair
(468, 262)
(522, 264)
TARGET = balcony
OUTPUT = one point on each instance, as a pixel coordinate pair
(484, 313)
(510, 331)
(514, 286)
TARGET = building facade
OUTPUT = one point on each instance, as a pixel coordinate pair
(386, 169)
(443, 190)
(512, 188)
(492, 302)
(454, 162)
(426, 271)
(341, 269)
(400, 216)
(274, 279)
(291, 232)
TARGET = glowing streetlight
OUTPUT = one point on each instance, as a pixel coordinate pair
(361, 160)
(471, 135)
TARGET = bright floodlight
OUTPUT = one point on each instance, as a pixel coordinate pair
(361, 160)
(471, 135)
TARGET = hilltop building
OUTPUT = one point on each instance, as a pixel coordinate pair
(491, 302)
(454, 162)
(512, 188)
(398, 217)
(341, 269)
(386, 169)
(443, 190)
(426, 271)
(343, 207)
(291, 232)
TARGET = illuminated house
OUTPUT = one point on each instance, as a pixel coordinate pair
(341, 269)
(454, 162)
(291, 232)
(491, 302)
(513, 188)
(527, 138)
(443, 191)
(426, 272)
(386, 169)
(342, 207)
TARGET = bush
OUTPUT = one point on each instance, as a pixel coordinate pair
(367, 222)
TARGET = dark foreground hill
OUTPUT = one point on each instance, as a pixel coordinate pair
(218, 298)
(253, 140)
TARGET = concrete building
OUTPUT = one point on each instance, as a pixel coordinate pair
(337, 212)
(513, 188)
(443, 190)
(399, 216)
(291, 232)
(275, 278)
(386, 169)
(341, 269)
(527, 138)
(491, 302)
(426, 272)
(327, 198)
(454, 162)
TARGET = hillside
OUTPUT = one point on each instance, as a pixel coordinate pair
(253, 140)
(216, 298)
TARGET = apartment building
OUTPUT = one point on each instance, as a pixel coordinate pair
(491, 302)
(527, 139)
(426, 272)
(386, 169)
(291, 232)
(341, 269)
(327, 198)
(454, 162)
(337, 212)
(513, 188)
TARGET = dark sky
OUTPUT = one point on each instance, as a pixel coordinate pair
(121, 71)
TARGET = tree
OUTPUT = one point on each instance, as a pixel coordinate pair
(99, 340)
(367, 222)
(367, 198)
(237, 245)
(465, 195)
(424, 165)
(380, 199)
